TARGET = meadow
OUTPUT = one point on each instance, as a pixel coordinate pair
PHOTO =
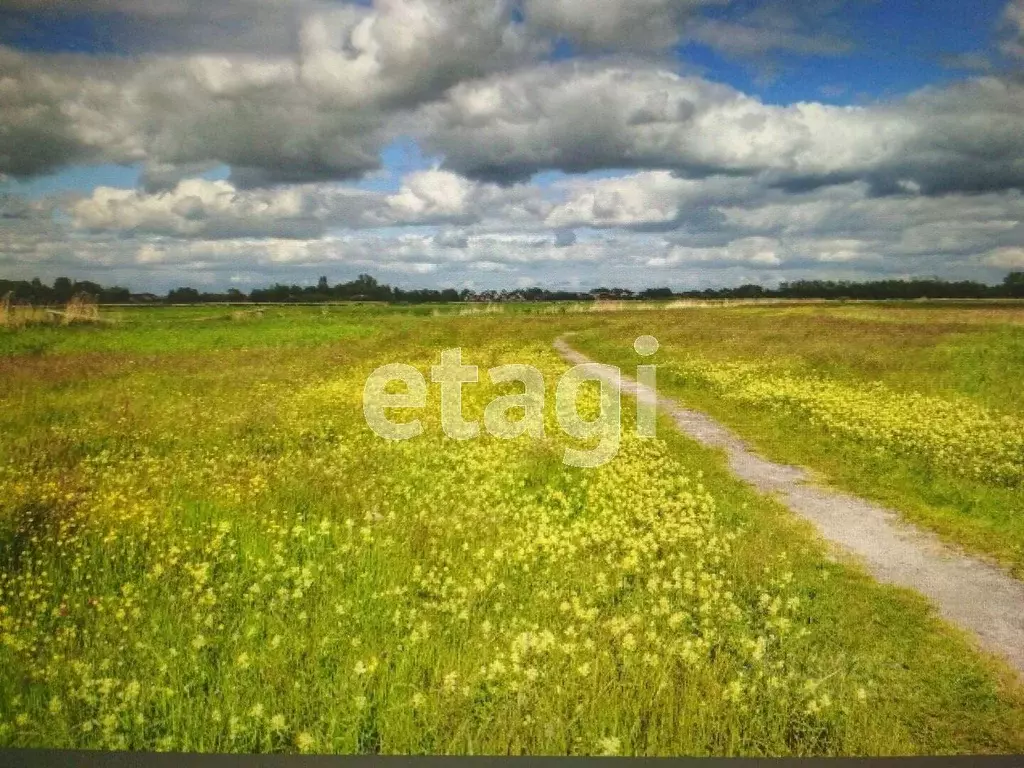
(204, 548)
(919, 406)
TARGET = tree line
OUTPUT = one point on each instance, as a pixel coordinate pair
(366, 288)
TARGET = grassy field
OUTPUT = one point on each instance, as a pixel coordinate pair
(918, 406)
(204, 548)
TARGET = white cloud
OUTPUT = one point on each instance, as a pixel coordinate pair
(246, 112)
(602, 226)
(217, 209)
(1013, 24)
(747, 40)
(322, 108)
(296, 96)
(646, 26)
(757, 251)
(631, 24)
(440, 197)
(433, 196)
(199, 208)
(578, 117)
(448, 72)
(645, 199)
(1007, 257)
(405, 50)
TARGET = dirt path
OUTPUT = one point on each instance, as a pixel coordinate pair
(972, 594)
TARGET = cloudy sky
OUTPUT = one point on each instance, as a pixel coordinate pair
(502, 143)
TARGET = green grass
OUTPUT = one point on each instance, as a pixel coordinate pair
(159, 331)
(203, 548)
(947, 353)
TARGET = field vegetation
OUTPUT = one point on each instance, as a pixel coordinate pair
(204, 548)
(918, 406)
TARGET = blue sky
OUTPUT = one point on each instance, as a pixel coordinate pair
(897, 46)
(200, 95)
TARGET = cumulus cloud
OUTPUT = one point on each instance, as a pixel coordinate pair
(1013, 25)
(736, 29)
(647, 200)
(584, 117)
(407, 50)
(320, 110)
(370, 250)
(52, 115)
(299, 96)
(250, 113)
(759, 251)
(622, 24)
(434, 197)
(390, 39)
(744, 40)
(451, 72)
(443, 197)
(451, 239)
(320, 107)
(162, 177)
(17, 208)
(965, 138)
(199, 208)
(755, 31)
(708, 231)
(1007, 257)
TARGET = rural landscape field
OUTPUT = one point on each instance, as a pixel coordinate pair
(511, 378)
(204, 547)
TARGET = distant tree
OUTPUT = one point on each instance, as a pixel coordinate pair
(748, 291)
(63, 289)
(1013, 283)
(183, 296)
(366, 288)
(365, 282)
(275, 293)
(115, 295)
(656, 293)
(89, 287)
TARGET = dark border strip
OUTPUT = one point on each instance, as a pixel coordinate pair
(54, 758)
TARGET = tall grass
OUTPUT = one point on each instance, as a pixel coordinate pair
(15, 316)
(81, 308)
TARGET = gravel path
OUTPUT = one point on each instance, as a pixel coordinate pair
(970, 593)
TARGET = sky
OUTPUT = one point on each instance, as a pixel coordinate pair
(492, 144)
